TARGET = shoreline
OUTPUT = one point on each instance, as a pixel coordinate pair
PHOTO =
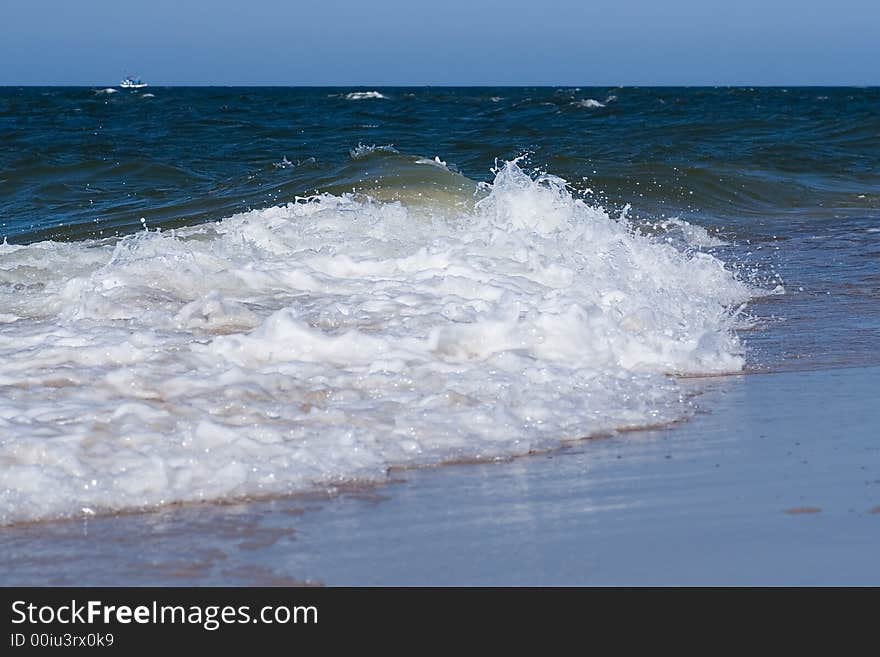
(355, 487)
(396, 473)
(750, 490)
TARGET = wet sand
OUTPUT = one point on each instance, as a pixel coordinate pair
(776, 481)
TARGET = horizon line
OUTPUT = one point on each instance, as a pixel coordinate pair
(457, 86)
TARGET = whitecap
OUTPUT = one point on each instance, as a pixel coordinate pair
(364, 95)
(589, 103)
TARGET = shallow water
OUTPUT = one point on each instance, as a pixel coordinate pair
(777, 482)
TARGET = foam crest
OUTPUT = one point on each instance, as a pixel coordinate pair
(589, 103)
(365, 95)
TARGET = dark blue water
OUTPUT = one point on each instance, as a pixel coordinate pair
(80, 162)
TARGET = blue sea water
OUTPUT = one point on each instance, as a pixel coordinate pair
(212, 293)
(80, 162)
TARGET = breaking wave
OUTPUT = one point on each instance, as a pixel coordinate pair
(329, 339)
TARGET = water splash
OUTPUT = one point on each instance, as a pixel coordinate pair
(329, 339)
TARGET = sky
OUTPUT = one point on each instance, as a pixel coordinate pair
(444, 42)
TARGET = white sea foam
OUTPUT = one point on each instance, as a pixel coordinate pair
(108, 90)
(589, 103)
(329, 339)
(364, 95)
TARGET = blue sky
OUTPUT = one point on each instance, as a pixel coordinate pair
(467, 42)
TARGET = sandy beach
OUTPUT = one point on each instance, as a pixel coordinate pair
(776, 481)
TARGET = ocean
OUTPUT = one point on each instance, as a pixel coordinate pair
(215, 294)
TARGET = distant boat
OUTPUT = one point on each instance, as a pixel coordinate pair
(132, 83)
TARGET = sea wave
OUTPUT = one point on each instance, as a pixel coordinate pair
(364, 95)
(589, 103)
(332, 338)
